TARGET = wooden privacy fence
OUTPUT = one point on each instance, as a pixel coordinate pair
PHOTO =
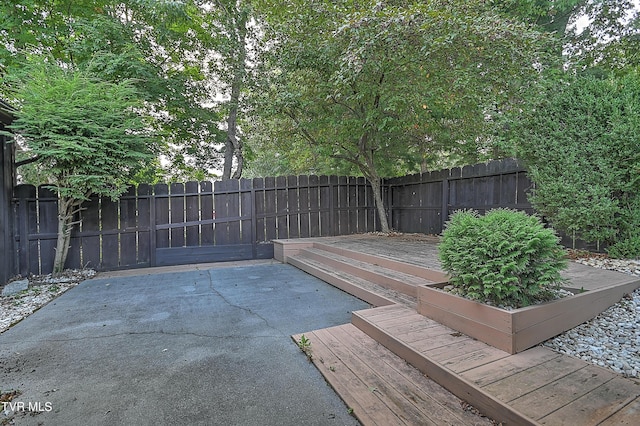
(237, 219)
(423, 202)
(193, 222)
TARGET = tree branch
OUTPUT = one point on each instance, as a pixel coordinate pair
(27, 161)
(305, 134)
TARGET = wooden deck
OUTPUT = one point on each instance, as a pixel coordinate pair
(537, 386)
(380, 387)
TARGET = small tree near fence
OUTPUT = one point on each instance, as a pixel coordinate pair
(85, 134)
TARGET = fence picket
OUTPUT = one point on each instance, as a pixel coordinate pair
(144, 225)
(207, 213)
(192, 207)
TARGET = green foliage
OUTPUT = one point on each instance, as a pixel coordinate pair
(579, 139)
(392, 84)
(628, 248)
(305, 346)
(87, 133)
(627, 244)
(610, 40)
(162, 47)
(389, 86)
(505, 257)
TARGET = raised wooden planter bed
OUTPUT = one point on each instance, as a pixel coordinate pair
(519, 329)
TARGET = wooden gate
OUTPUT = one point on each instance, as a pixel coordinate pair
(195, 225)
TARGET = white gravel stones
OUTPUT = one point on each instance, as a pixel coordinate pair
(41, 290)
(612, 339)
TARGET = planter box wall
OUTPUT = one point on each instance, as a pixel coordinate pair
(519, 329)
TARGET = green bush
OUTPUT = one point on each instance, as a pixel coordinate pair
(626, 249)
(627, 244)
(578, 137)
(505, 257)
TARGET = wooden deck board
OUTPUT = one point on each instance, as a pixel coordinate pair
(473, 359)
(456, 384)
(385, 312)
(439, 403)
(627, 415)
(354, 392)
(547, 399)
(369, 388)
(490, 373)
(447, 345)
(597, 405)
(381, 388)
(416, 330)
(379, 382)
(516, 385)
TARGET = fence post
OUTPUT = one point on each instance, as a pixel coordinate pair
(152, 225)
(444, 211)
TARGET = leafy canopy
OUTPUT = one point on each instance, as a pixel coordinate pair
(159, 45)
(87, 133)
(393, 84)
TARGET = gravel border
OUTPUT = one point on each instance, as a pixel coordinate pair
(41, 290)
(611, 339)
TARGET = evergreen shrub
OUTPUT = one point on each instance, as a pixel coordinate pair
(504, 258)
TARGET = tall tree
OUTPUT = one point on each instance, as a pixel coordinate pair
(374, 84)
(235, 37)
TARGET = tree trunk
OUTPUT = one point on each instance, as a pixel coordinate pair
(233, 147)
(66, 210)
(377, 196)
(368, 168)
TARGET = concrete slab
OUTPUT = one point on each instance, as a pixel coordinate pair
(198, 347)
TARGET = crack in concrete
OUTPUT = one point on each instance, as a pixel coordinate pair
(245, 309)
(176, 333)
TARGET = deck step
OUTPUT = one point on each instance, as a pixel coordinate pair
(534, 387)
(381, 388)
(385, 262)
(366, 290)
(537, 386)
(373, 272)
